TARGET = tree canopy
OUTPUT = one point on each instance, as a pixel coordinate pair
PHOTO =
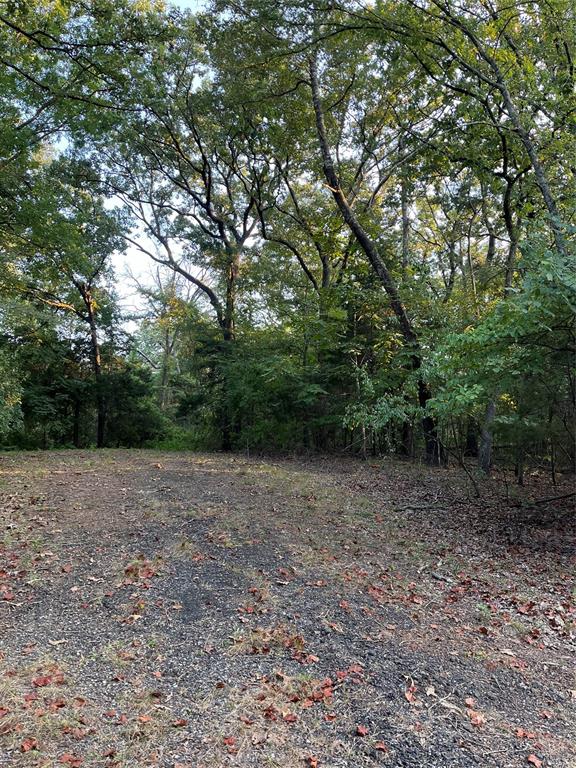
(357, 222)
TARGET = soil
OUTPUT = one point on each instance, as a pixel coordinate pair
(185, 610)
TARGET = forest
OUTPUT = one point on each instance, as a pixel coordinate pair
(287, 383)
(350, 225)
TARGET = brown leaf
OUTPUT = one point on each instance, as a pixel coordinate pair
(28, 744)
(534, 761)
(41, 681)
(180, 723)
(380, 746)
(410, 693)
(28, 697)
(70, 759)
(361, 730)
(476, 718)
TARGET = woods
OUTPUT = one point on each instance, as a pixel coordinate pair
(294, 282)
(353, 224)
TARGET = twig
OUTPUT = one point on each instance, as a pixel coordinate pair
(555, 498)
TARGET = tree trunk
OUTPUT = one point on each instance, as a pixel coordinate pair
(485, 451)
(228, 334)
(76, 425)
(471, 447)
(407, 446)
(232, 270)
(434, 451)
(165, 371)
(513, 236)
(97, 367)
(405, 203)
(519, 469)
(225, 412)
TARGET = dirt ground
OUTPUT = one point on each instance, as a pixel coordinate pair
(184, 610)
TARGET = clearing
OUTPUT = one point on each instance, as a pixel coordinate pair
(205, 610)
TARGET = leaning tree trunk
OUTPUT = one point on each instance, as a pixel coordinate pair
(486, 436)
(434, 451)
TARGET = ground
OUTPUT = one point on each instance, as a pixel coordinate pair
(184, 610)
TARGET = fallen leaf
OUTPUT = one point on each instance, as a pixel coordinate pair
(70, 759)
(43, 680)
(410, 693)
(476, 718)
(28, 744)
(380, 746)
(180, 723)
(361, 730)
(534, 761)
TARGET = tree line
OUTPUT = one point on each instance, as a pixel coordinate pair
(358, 220)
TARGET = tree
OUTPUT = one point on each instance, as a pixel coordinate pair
(62, 260)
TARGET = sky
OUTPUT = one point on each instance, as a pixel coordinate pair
(193, 4)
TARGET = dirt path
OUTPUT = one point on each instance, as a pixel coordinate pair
(184, 610)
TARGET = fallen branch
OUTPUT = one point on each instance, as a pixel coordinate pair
(555, 498)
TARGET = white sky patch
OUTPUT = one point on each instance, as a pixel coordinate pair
(192, 5)
(131, 264)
